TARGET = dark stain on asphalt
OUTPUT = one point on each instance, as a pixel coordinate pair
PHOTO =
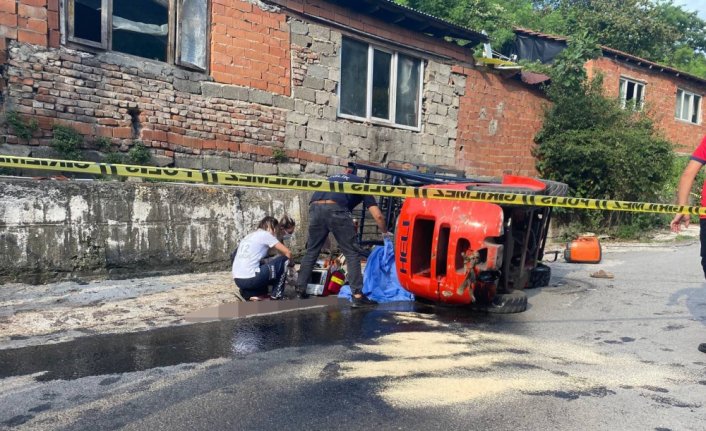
(655, 389)
(673, 402)
(17, 420)
(40, 408)
(599, 392)
(627, 339)
(673, 327)
(109, 381)
(119, 353)
(330, 371)
(663, 429)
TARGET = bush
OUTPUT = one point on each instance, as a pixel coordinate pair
(67, 142)
(24, 129)
(139, 154)
(601, 150)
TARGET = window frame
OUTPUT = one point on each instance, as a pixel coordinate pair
(678, 111)
(623, 95)
(106, 44)
(369, 118)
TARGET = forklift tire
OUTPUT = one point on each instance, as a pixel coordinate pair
(539, 276)
(505, 303)
(500, 189)
(555, 188)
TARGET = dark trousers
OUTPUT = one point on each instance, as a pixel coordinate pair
(274, 273)
(702, 236)
(325, 218)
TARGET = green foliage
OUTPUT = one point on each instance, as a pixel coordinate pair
(600, 150)
(114, 158)
(67, 142)
(139, 154)
(279, 155)
(102, 143)
(657, 30)
(24, 129)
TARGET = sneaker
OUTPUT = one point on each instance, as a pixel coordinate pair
(702, 347)
(362, 300)
(301, 294)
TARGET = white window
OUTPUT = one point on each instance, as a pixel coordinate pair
(380, 85)
(688, 106)
(632, 94)
(173, 31)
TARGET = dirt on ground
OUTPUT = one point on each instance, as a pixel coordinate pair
(56, 312)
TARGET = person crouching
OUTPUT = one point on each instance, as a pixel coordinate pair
(251, 276)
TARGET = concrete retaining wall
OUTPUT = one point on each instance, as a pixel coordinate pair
(52, 230)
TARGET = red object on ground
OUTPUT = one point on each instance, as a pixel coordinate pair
(335, 281)
(584, 249)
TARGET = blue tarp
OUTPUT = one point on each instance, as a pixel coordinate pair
(380, 281)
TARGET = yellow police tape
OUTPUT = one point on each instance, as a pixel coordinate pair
(268, 181)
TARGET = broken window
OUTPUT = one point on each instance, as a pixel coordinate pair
(688, 106)
(379, 85)
(632, 94)
(173, 31)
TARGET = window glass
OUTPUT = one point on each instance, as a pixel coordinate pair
(87, 20)
(407, 105)
(193, 22)
(680, 102)
(143, 30)
(354, 72)
(696, 112)
(382, 62)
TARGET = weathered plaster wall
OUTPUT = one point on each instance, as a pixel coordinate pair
(61, 229)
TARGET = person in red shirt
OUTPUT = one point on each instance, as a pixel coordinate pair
(697, 161)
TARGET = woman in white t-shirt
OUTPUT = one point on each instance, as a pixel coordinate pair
(253, 278)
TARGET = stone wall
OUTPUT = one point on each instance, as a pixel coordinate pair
(52, 230)
(267, 110)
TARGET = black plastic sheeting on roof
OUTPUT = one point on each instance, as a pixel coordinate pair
(533, 48)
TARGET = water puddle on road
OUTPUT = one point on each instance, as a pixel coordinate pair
(198, 342)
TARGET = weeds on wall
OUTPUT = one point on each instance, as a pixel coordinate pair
(279, 155)
(67, 141)
(22, 127)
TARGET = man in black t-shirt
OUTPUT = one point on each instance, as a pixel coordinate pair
(331, 212)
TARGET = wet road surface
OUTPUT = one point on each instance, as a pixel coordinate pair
(588, 354)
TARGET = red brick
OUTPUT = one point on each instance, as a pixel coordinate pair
(8, 19)
(31, 37)
(53, 5)
(36, 26)
(8, 6)
(54, 38)
(8, 32)
(122, 132)
(37, 3)
(34, 12)
(53, 20)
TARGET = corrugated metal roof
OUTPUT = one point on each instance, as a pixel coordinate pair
(608, 51)
(412, 19)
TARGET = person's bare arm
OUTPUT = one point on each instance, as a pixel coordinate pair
(378, 217)
(685, 183)
(283, 249)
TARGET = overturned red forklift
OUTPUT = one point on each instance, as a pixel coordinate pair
(477, 254)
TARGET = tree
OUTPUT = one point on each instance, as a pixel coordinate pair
(600, 150)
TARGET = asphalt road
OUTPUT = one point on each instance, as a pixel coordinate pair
(589, 353)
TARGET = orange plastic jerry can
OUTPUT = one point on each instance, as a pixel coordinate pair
(584, 249)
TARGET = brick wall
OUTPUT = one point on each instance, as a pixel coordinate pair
(660, 98)
(249, 46)
(498, 120)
